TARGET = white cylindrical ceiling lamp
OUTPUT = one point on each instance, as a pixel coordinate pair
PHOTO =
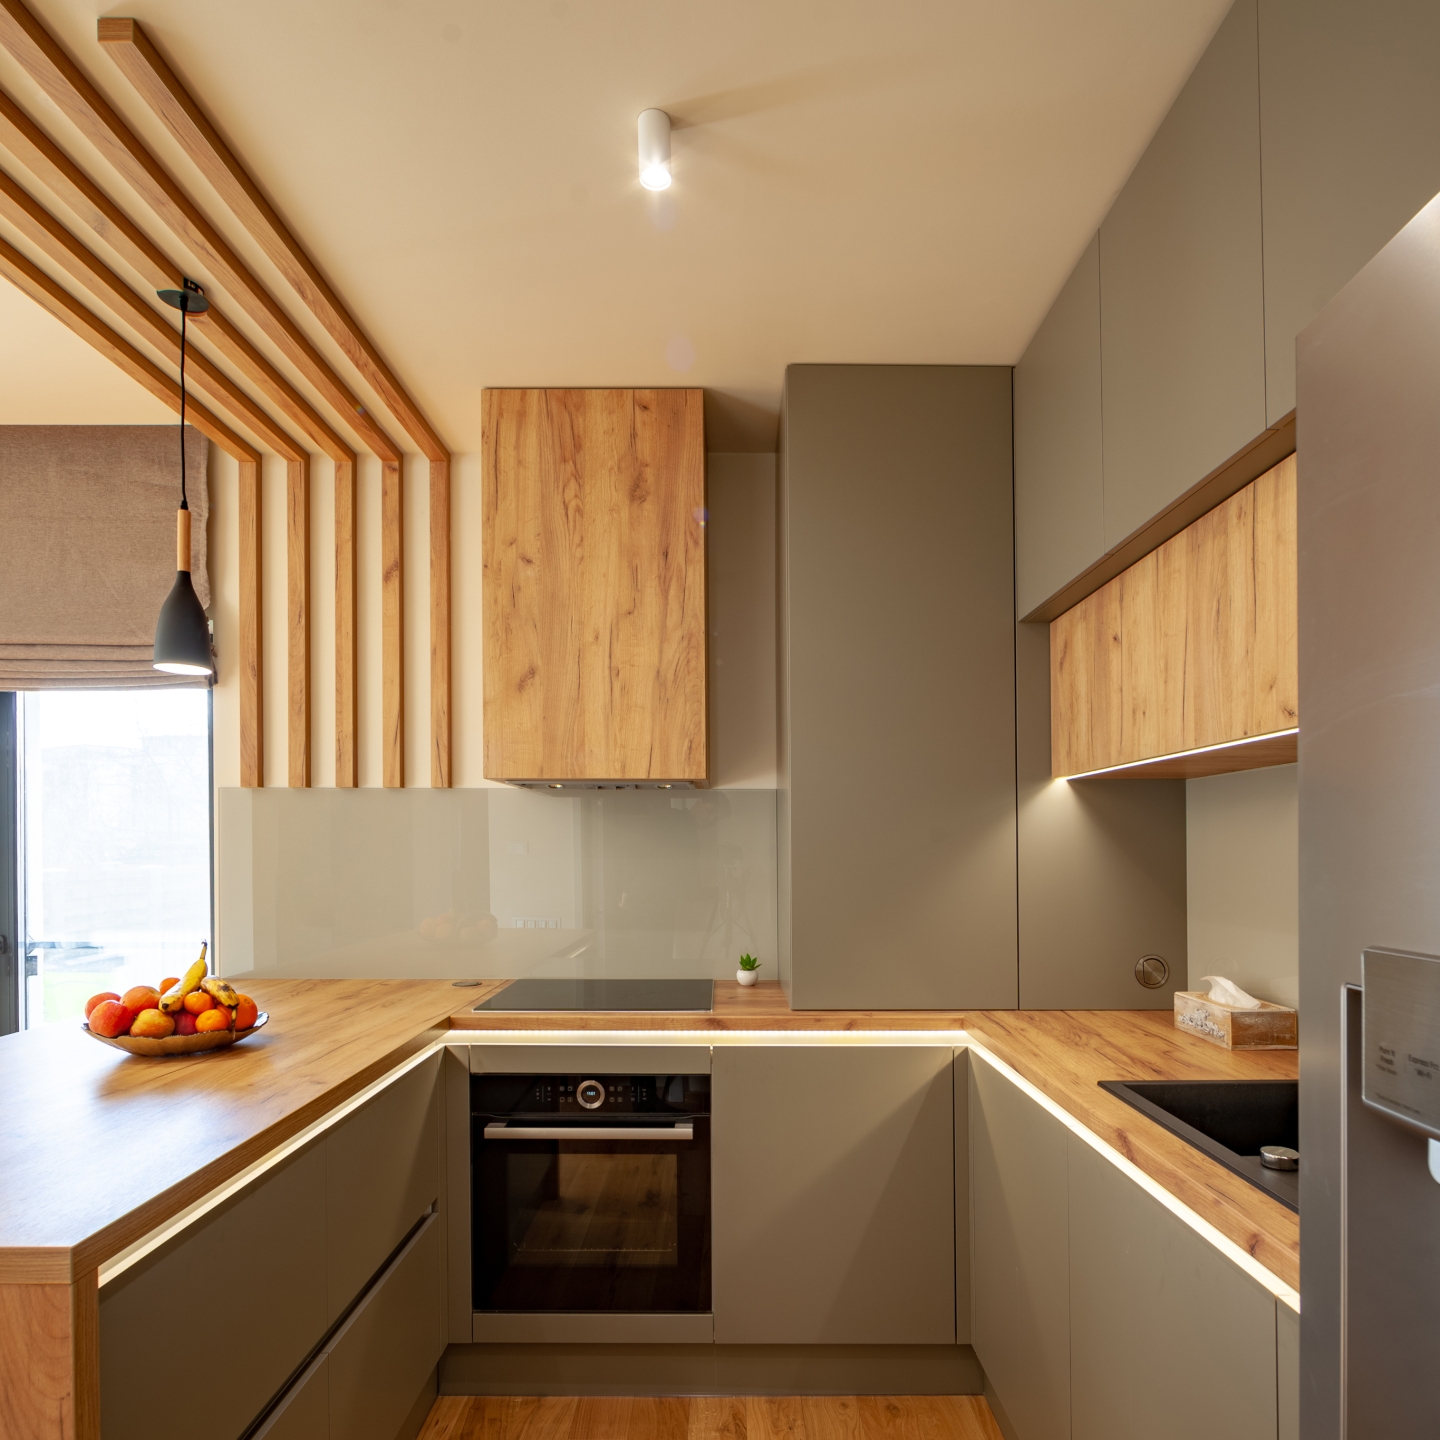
(654, 149)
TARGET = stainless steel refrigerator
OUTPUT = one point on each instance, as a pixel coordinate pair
(1368, 412)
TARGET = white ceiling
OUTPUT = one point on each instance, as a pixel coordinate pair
(906, 182)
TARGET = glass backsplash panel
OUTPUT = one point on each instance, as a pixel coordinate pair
(495, 883)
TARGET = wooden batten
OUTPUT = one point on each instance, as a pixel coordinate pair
(297, 626)
(440, 624)
(346, 652)
(392, 623)
(252, 724)
(159, 86)
(1186, 663)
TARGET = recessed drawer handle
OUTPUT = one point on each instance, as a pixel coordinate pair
(500, 1131)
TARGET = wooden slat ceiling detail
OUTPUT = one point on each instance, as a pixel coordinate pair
(239, 292)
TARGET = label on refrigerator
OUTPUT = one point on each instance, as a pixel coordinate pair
(1401, 1037)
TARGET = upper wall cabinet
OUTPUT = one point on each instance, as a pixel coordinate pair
(1059, 482)
(594, 585)
(1182, 308)
(1350, 112)
(1193, 646)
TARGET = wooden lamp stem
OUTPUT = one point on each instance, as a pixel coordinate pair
(182, 540)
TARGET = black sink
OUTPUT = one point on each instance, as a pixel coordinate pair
(1229, 1120)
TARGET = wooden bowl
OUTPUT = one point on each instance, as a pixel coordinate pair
(176, 1044)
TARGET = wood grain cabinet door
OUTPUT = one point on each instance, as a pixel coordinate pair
(593, 527)
(242, 1289)
(383, 1172)
(834, 1207)
(1020, 1320)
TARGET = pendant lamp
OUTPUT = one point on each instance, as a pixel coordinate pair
(182, 633)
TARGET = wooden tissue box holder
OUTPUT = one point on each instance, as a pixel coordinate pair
(1271, 1027)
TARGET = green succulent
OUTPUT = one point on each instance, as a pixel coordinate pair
(749, 962)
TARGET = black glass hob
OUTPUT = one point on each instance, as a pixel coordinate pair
(544, 994)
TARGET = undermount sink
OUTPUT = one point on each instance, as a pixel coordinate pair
(1229, 1120)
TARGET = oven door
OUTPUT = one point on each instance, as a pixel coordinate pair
(610, 1215)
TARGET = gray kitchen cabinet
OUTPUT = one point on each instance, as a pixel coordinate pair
(1182, 306)
(833, 1186)
(960, 1079)
(1350, 115)
(383, 1172)
(1020, 1320)
(896, 665)
(381, 1357)
(304, 1413)
(245, 1282)
(1059, 479)
(1287, 1371)
(1161, 1323)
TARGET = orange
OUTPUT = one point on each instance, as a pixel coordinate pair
(217, 1018)
(152, 1025)
(141, 997)
(95, 1000)
(111, 1018)
(166, 984)
(245, 1013)
(197, 1001)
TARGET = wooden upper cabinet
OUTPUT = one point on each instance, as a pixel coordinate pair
(1192, 647)
(594, 589)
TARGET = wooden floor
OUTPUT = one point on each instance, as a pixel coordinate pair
(831, 1417)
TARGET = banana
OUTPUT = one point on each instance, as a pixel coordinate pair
(174, 997)
(222, 993)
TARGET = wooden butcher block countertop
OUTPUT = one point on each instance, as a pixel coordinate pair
(1066, 1053)
(97, 1148)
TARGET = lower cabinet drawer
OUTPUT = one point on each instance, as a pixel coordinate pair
(382, 1355)
(236, 1302)
(304, 1414)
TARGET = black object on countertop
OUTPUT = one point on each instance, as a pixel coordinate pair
(1229, 1120)
(543, 994)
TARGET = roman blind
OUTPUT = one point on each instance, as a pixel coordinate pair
(87, 550)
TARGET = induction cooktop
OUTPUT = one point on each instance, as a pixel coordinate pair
(538, 994)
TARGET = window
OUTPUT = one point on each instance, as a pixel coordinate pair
(113, 868)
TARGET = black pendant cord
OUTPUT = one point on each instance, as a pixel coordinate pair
(184, 316)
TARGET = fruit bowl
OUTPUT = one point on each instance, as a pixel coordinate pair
(177, 1044)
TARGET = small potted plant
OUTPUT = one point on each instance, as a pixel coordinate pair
(749, 971)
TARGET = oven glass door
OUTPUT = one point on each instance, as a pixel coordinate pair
(593, 1222)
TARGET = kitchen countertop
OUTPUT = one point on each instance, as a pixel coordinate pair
(98, 1148)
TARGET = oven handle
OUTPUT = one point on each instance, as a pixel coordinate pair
(501, 1131)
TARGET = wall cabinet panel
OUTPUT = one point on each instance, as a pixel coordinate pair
(1182, 307)
(897, 687)
(1350, 119)
(1059, 480)
(593, 519)
(834, 1211)
(1195, 645)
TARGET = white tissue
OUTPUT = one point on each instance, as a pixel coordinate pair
(1226, 992)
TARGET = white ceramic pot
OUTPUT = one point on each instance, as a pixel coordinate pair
(747, 977)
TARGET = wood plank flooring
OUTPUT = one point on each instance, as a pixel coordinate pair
(829, 1417)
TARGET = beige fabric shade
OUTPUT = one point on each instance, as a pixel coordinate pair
(87, 550)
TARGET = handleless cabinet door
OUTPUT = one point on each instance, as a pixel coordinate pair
(304, 1413)
(245, 1283)
(833, 1194)
(384, 1172)
(1020, 1321)
(384, 1353)
(1167, 1335)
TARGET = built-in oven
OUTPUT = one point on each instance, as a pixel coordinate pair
(590, 1193)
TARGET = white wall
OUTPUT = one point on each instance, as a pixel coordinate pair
(1243, 872)
(742, 621)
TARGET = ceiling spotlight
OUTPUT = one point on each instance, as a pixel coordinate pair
(654, 149)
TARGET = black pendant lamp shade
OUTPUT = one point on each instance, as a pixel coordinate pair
(182, 634)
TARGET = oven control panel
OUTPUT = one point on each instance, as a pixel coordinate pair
(506, 1096)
